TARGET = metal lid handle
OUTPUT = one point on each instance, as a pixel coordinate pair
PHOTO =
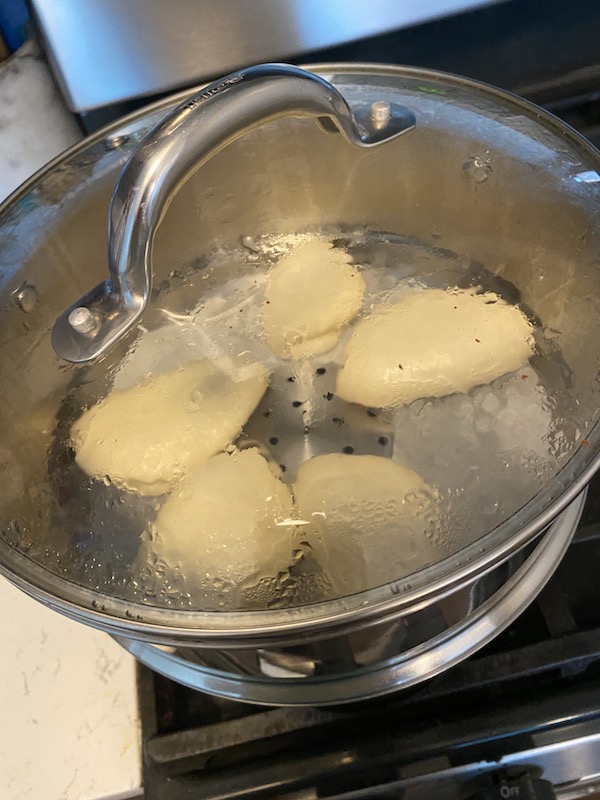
(192, 133)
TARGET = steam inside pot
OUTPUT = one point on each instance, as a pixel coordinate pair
(200, 465)
(249, 467)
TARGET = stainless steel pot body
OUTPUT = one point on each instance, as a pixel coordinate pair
(486, 176)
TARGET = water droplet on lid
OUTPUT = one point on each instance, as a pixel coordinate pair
(26, 297)
(478, 169)
(82, 320)
(116, 142)
(12, 532)
(249, 243)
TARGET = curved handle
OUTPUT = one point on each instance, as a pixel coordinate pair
(192, 133)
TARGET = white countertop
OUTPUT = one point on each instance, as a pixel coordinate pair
(68, 694)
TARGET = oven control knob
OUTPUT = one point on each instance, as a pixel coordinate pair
(525, 788)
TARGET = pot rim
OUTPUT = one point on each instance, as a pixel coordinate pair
(153, 623)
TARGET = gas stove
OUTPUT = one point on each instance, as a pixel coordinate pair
(520, 719)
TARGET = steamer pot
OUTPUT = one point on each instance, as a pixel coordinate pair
(485, 180)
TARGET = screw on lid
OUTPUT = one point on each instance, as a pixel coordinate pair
(381, 113)
(82, 320)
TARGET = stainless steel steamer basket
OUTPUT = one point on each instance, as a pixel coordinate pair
(542, 190)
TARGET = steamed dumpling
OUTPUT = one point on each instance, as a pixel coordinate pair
(433, 343)
(367, 518)
(147, 437)
(228, 521)
(312, 294)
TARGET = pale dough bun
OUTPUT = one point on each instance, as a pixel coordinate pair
(367, 518)
(311, 295)
(147, 437)
(227, 522)
(431, 344)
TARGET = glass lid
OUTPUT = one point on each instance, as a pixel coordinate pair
(360, 373)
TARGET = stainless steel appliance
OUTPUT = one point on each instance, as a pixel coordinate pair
(105, 52)
(109, 58)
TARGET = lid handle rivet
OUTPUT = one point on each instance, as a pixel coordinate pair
(82, 320)
(381, 113)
